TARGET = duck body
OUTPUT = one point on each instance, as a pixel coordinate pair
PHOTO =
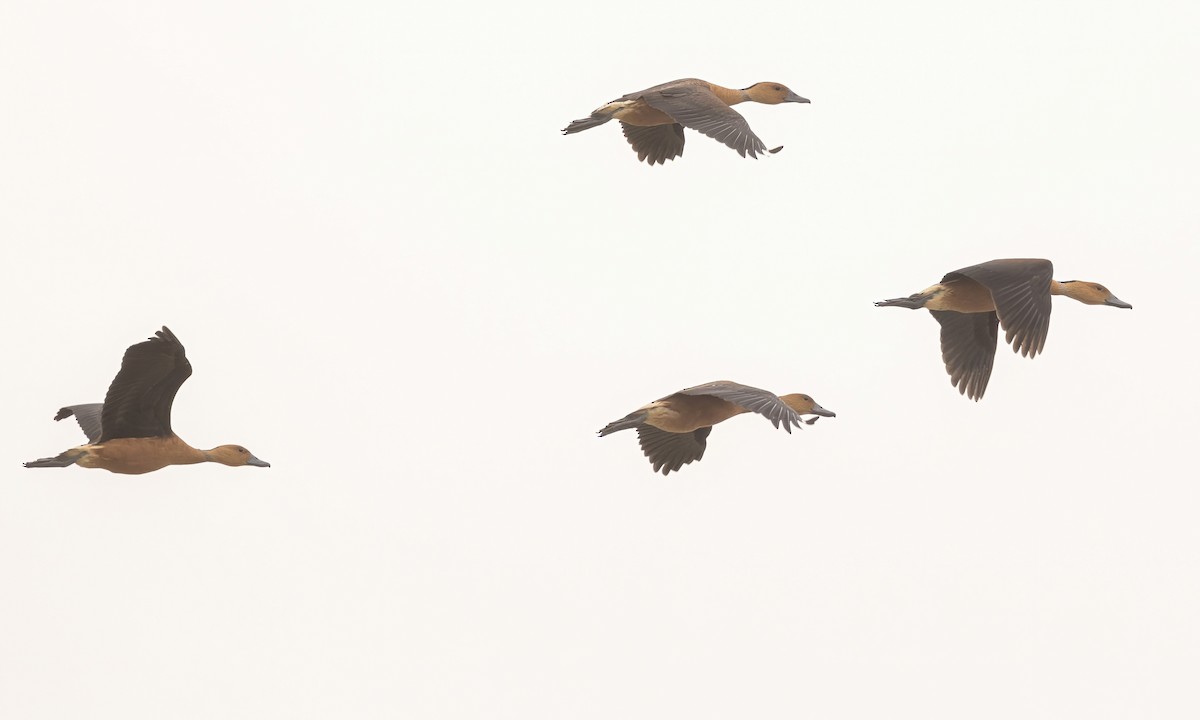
(653, 119)
(134, 456)
(971, 303)
(962, 295)
(682, 413)
(673, 431)
(130, 432)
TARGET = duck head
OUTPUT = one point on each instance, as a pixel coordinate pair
(805, 405)
(234, 456)
(1089, 293)
(772, 93)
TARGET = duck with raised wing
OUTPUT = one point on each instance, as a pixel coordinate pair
(673, 431)
(1013, 293)
(130, 432)
(653, 119)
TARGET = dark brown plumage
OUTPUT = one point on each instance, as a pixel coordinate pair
(138, 403)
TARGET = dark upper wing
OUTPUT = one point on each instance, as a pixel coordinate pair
(968, 349)
(138, 403)
(670, 451)
(695, 106)
(88, 417)
(1021, 290)
(763, 402)
(656, 143)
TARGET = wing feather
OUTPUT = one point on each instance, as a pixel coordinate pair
(655, 143)
(88, 416)
(670, 451)
(968, 349)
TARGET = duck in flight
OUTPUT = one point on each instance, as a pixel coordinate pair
(653, 119)
(673, 431)
(130, 432)
(1015, 294)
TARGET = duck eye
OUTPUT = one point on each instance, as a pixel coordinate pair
(778, 88)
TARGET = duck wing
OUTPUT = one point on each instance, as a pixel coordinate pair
(655, 143)
(1021, 290)
(88, 417)
(695, 106)
(968, 349)
(754, 399)
(670, 451)
(138, 403)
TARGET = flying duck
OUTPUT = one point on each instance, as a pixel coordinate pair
(653, 119)
(1012, 293)
(130, 432)
(673, 431)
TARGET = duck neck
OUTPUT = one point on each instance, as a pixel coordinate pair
(729, 96)
(204, 456)
(1063, 288)
(181, 453)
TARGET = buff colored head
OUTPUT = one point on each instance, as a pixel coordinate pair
(235, 456)
(805, 405)
(772, 93)
(1090, 293)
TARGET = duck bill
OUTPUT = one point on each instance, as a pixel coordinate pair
(818, 410)
(793, 97)
(257, 463)
(1117, 302)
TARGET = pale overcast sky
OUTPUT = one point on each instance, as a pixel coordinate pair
(399, 284)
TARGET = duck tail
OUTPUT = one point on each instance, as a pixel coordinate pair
(63, 459)
(585, 124)
(912, 302)
(628, 422)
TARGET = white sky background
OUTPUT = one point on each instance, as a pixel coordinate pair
(402, 287)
